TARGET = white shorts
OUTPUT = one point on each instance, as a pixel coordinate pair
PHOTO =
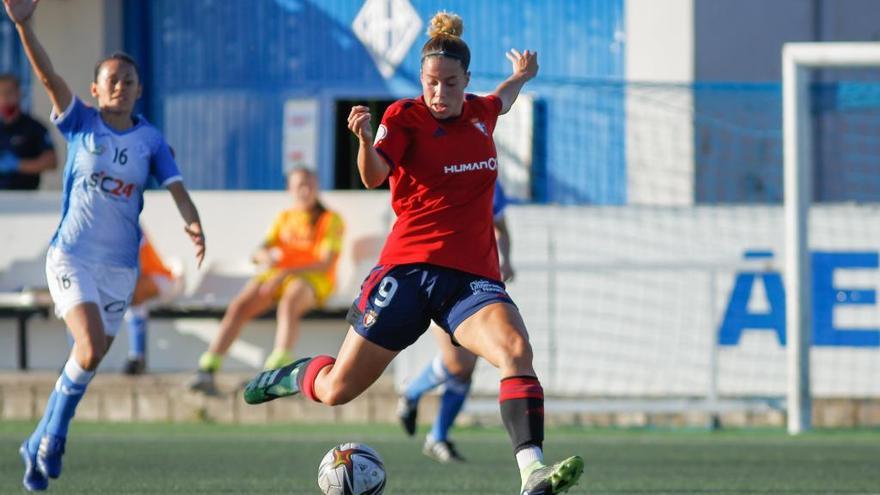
(73, 282)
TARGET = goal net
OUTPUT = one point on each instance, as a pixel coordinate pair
(670, 295)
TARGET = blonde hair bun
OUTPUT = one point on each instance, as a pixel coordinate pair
(445, 24)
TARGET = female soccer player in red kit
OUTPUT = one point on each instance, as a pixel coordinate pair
(440, 261)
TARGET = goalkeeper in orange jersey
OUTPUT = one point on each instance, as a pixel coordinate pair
(299, 256)
(156, 282)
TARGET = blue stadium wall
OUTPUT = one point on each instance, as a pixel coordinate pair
(217, 74)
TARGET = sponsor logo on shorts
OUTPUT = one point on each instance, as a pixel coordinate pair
(486, 286)
(115, 307)
(370, 317)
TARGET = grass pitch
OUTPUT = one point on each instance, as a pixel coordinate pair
(215, 459)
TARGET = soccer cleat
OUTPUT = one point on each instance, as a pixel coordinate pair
(134, 366)
(407, 411)
(551, 480)
(442, 451)
(203, 382)
(49, 455)
(272, 384)
(34, 480)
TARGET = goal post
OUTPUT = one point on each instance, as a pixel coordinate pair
(797, 61)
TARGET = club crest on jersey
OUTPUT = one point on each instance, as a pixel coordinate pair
(93, 147)
(381, 132)
(370, 317)
(480, 126)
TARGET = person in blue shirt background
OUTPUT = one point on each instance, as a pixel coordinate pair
(92, 263)
(26, 148)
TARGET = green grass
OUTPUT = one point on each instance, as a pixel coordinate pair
(215, 459)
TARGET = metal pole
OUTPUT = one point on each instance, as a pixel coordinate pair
(714, 416)
(797, 138)
(22, 340)
(798, 173)
(551, 310)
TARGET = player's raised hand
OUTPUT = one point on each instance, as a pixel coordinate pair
(20, 10)
(194, 230)
(525, 64)
(359, 123)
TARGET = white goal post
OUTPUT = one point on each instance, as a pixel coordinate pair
(797, 60)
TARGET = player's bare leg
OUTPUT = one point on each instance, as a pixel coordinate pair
(247, 305)
(43, 451)
(297, 299)
(498, 334)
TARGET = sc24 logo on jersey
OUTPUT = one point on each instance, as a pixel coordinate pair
(110, 185)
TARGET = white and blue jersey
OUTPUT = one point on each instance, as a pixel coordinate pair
(104, 181)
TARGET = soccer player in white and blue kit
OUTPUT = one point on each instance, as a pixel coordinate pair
(93, 257)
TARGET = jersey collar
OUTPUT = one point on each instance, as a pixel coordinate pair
(462, 117)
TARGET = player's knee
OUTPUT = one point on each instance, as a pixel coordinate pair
(293, 303)
(297, 298)
(236, 307)
(337, 392)
(90, 356)
(518, 351)
(337, 396)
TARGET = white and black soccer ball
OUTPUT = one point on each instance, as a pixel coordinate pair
(351, 469)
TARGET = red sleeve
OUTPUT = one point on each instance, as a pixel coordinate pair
(490, 109)
(392, 136)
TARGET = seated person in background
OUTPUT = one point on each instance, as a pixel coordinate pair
(156, 282)
(25, 145)
(299, 256)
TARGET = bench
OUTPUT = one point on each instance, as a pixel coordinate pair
(235, 223)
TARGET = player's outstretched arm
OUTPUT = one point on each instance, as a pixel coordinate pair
(21, 13)
(190, 215)
(525, 67)
(372, 167)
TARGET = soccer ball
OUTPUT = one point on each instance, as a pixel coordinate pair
(351, 469)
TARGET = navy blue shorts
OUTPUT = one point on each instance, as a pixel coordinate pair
(398, 302)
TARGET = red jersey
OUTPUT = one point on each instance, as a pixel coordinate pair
(442, 181)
